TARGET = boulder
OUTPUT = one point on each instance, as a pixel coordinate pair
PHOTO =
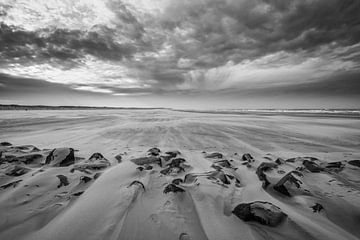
(354, 163)
(173, 188)
(61, 157)
(262, 212)
(154, 151)
(263, 167)
(288, 181)
(16, 170)
(247, 157)
(311, 166)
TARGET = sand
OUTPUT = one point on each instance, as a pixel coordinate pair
(50, 201)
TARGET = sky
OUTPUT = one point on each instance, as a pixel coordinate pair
(193, 54)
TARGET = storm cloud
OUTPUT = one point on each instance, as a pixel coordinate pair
(169, 46)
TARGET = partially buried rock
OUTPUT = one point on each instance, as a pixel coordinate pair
(16, 170)
(85, 179)
(262, 212)
(138, 183)
(354, 163)
(317, 207)
(279, 161)
(214, 155)
(172, 154)
(97, 175)
(154, 151)
(63, 181)
(287, 182)
(173, 188)
(263, 167)
(61, 157)
(311, 166)
(96, 162)
(5, 144)
(12, 184)
(247, 157)
(30, 158)
(146, 160)
(118, 158)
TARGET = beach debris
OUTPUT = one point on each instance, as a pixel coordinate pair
(247, 157)
(317, 207)
(154, 151)
(136, 182)
(262, 212)
(173, 188)
(11, 184)
(63, 181)
(354, 163)
(16, 170)
(214, 155)
(61, 157)
(311, 166)
(286, 182)
(263, 167)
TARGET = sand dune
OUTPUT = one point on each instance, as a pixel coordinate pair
(216, 176)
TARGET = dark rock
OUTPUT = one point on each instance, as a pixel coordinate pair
(30, 158)
(279, 161)
(172, 188)
(118, 158)
(311, 166)
(216, 175)
(263, 167)
(176, 162)
(154, 151)
(262, 212)
(184, 236)
(85, 179)
(96, 156)
(63, 180)
(247, 157)
(214, 155)
(78, 193)
(96, 162)
(291, 160)
(137, 183)
(12, 184)
(216, 167)
(146, 160)
(140, 168)
(61, 157)
(337, 166)
(224, 163)
(354, 163)
(177, 181)
(172, 154)
(97, 175)
(149, 167)
(317, 207)
(290, 178)
(16, 170)
(5, 144)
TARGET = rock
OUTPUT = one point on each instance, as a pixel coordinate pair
(224, 163)
(12, 184)
(262, 212)
(184, 236)
(311, 166)
(154, 151)
(78, 193)
(247, 157)
(63, 181)
(85, 179)
(263, 167)
(137, 183)
(30, 158)
(291, 160)
(146, 160)
(96, 162)
(172, 154)
(172, 188)
(280, 171)
(335, 166)
(61, 157)
(118, 158)
(292, 178)
(176, 162)
(279, 161)
(354, 163)
(317, 207)
(216, 175)
(148, 167)
(140, 169)
(177, 181)
(96, 156)
(16, 170)
(5, 144)
(97, 175)
(214, 155)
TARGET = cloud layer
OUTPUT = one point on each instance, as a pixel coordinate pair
(159, 47)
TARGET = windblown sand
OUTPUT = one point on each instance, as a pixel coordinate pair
(310, 188)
